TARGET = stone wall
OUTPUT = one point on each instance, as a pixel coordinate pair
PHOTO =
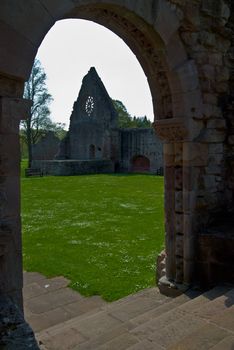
(75, 167)
(46, 148)
(91, 121)
(140, 142)
(206, 30)
(93, 134)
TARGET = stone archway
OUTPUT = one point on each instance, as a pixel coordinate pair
(169, 77)
(163, 36)
(140, 164)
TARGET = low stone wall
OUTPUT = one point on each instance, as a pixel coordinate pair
(74, 167)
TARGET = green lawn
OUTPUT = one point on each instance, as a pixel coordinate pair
(103, 232)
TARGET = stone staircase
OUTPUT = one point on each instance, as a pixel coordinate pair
(63, 319)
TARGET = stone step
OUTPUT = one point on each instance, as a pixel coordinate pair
(204, 338)
(216, 307)
(225, 344)
(171, 325)
(124, 312)
(197, 333)
(177, 309)
(100, 325)
(44, 286)
(146, 320)
(48, 301)
(171, 304)
(219, 315)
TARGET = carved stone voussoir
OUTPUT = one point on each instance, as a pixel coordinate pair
(171, 130)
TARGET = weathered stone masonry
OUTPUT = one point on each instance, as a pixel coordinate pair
(94, 143)
(186, 50)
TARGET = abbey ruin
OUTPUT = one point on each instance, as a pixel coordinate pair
(186, 49)
(95, 144)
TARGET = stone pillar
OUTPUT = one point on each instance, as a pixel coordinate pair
(179, 227)
(195, 159)
(173, 163)
(169, 190)
(173, 132)
(11, 111)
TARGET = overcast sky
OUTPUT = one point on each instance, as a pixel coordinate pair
(73, 46)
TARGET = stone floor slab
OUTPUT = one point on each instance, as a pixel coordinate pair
(84, 305)
(135, 308)
(225, 344)
(33, 290)
(65, 340)
(96, 324)
(203, 339)
(171, 334)
(225, 319)
(42, 321)
(146, 345)
(30, 277)
(122, 342)
(65, 320)
(94, 343)
(52, 300)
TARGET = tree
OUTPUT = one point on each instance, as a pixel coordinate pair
(39, 121)
(141, 122)
(124, 118)
(126, 121)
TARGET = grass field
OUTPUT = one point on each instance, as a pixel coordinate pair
(102, 232)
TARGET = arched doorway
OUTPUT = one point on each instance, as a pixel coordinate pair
(92, 152)
(140, 164)
(174, 84)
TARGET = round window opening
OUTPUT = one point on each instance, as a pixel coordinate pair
(89, 105)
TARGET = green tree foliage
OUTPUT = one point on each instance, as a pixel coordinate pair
(39, 121)
(124, 118)
(126, 121)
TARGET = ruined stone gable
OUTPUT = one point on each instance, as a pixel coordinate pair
(92, 119)
(93, 134)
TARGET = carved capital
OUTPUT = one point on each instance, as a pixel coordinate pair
(171, 130)
(12, 110)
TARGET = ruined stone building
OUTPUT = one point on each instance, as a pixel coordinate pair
(46, 148)
(186, 49)
(94, 143)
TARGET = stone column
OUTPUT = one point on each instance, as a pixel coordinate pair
(11, 111)
(195, 158)
(173, 132)
(169, 204)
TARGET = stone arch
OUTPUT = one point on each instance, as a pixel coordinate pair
(151, 31)
(140, 164)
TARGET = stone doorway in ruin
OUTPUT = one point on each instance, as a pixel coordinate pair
(151, 32)
(140, 164)
(92, 152)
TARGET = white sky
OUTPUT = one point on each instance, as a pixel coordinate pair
(73, 46)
